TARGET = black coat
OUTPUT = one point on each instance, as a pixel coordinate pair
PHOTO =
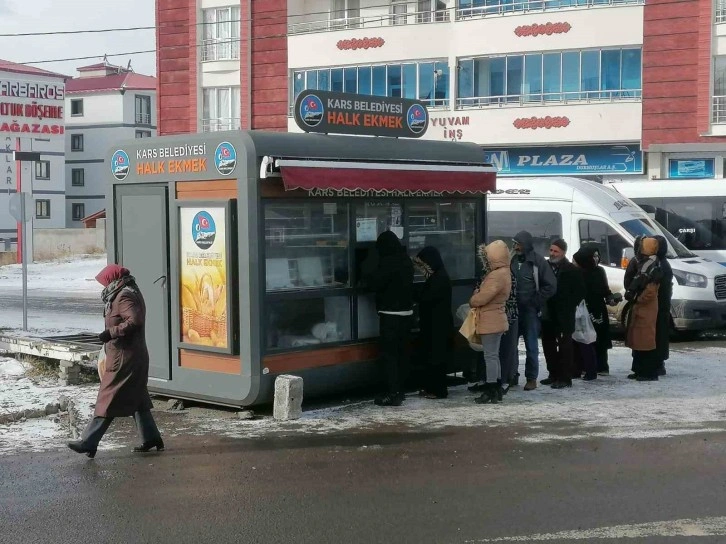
(570, 292)
(597, 293)
(436, 321)
(392, 277)
(665, 293)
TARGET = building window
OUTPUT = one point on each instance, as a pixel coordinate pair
(345, 14)
(42, 209)
(399, 9)
(78, 177)
(77, 107)
(143, 134)
(42, 170)
(588, 75)
(720, 11)
(221, 34)
(143, 110)
(719, 89)
(78, 211)
(76, 142)
(221, 109)
(431, 10)
(426, 81)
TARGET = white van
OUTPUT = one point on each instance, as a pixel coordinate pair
(584, 211)
(694, 211)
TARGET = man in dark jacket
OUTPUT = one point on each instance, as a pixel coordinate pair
(535, 284)
(665, 293)
(558, 321)
(392, 281)
(436, 322)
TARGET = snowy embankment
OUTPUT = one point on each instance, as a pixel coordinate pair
(71, 276)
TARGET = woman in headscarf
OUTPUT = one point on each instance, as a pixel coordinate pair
(491, 322)
(597, 297)
(123, 389)
(436, 322)
(641, 312)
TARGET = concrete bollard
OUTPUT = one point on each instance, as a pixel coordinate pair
(288, 398)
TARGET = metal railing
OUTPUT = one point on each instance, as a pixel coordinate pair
(719, 110)
(382, 16)
(534, 99)
(221, 49)
(216, 125)
(720, 11)
(377, 18)
(143, 118)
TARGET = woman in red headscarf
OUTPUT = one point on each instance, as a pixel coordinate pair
(123, 386)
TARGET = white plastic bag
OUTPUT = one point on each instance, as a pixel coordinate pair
(102, 361)
(584, 329)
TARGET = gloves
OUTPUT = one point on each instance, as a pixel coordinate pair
(630, 296)
(105, 336)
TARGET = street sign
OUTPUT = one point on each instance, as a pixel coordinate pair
(29, 156)
(17, 202)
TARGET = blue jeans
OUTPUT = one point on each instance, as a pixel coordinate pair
(529, 327)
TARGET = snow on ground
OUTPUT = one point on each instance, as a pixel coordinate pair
(74, 275)
(689, 400)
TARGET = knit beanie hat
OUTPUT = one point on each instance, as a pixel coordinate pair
(561, 244)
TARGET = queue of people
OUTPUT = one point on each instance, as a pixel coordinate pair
(521, 295)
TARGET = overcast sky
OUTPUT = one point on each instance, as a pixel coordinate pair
(20, 16)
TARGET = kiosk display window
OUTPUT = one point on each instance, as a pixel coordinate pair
(298, 323)
(306, 246)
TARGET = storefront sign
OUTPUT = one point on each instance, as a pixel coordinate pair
(28, 107)
(345, 113)
(451, 127)
(570, 160)
(203, 296)
(691, 168)
(180, 159)
(7, 165)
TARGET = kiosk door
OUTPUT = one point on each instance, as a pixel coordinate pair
(142, 245)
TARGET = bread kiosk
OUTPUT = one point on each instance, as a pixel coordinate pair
(248, 245)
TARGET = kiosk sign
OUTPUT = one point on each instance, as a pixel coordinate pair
(346, 113)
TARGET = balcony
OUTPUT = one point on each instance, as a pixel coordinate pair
(224, 49)
(143, 118)
(547, 99)
(397, 14)
(220, 124)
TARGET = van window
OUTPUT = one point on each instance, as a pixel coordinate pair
(698, 223)
(545, 227)
(610, 242)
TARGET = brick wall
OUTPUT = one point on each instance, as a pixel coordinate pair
(676, 72)
(176, 63)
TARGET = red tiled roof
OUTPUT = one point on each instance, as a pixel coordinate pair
(129, 81)
(7, 66)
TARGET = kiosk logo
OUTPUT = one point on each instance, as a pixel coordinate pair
(417, 119)
(204, 231)
(225, 158)
(311, 110)
(120, 165)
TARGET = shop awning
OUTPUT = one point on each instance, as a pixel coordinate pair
(391, 177)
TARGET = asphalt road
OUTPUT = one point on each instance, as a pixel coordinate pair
(391, 485)
(61, 305)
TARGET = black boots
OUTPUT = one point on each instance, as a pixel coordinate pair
(493, 393)
(79, 447)
(147, 446)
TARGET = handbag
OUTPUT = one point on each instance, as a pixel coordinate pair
(584, 329)
(468, 329)
(102, 362)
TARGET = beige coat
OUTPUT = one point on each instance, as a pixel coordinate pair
(641, 330)
(490, 298)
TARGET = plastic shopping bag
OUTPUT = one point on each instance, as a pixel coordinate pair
(584, 329)
(102, 362)
(468, 330)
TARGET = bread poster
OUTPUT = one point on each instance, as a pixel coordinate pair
(203, 289)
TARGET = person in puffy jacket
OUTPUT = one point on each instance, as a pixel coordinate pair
(536, 283)
(392, 281)
(436, 322)
(491, 318)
